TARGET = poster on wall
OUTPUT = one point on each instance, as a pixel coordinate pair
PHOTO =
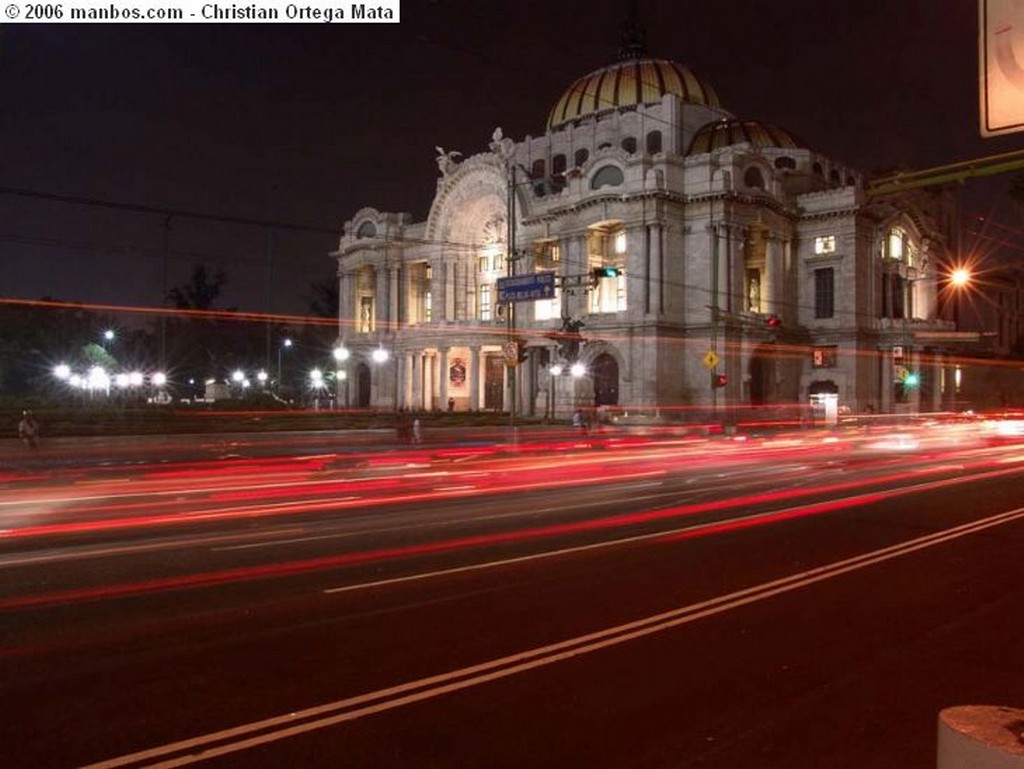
(457, 374)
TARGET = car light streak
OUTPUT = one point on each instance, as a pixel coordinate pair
(282, 569)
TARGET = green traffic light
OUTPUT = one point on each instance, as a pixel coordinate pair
(912, 380)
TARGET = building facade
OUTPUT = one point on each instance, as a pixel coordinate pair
(701, 261)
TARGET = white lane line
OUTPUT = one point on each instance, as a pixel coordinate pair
(236, 739)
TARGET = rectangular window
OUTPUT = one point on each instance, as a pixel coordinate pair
(823, 357)
(609, 295)
(824, 293)
(825, 244)
(548, 309)
(486, 311)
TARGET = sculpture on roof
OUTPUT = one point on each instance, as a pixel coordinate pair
(446, 161)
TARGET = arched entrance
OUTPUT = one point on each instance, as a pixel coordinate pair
(606, 380)
(362, 386)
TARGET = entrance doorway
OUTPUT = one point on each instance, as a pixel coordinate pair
(606, 380)
(494, 382)
(362, 386)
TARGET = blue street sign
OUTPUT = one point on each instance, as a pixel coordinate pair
(527, 288)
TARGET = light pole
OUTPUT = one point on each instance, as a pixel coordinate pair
(341, 355)
(285, 343)
(959, 279)
(505, 148)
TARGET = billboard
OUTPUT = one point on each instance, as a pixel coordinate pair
(1001, 66)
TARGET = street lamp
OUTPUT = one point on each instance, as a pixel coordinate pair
(285, 343)
(960, 278)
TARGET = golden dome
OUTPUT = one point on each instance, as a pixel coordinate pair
(629, 83)
(725, 133)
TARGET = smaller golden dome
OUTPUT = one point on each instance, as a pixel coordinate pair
(726, 133)
(629, 83)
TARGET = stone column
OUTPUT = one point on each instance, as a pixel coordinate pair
(443, 383)
(655, 294)
(394, 307)
(475, 383)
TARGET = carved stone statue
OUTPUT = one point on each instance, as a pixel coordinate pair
(446, 160)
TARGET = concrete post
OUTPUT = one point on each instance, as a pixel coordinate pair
(981, 737)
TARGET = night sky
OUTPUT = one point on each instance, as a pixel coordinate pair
(305, 124)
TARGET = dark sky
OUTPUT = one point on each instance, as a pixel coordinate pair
(308, 123)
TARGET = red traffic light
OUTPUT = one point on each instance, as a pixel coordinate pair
(773, 321)
(721, 380)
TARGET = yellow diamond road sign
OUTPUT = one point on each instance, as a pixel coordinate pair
(710, 360)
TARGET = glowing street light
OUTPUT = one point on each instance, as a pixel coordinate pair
(62, 371)
(341, 353)
(380, 355)
(159, 379)
(960, 277)
(578, 370)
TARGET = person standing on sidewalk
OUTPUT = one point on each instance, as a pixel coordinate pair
(28, 429)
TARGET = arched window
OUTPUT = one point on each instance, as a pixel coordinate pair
(834, 177)
(607, 176)
(367, 230)
(537, 170)
(580, 158)
(629, 144)
(558, 165)
(753, 178)
(785, 162)
(818, 170)
(653, 142)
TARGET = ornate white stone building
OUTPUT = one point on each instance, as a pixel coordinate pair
(702, 261)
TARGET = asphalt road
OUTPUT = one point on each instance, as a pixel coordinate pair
(785, 603)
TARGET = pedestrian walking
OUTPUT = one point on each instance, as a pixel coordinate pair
(28, 429)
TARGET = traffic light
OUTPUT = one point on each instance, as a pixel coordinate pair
(773, 321)
(605, 272)
(720, 380)
(912, 379)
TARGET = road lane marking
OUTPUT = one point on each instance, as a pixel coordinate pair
(251, 735)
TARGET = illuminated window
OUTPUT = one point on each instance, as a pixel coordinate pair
(897, 238)
(428, 307)
(609, 294)
(620, 242)
(486, 309)
(548, 309)
(825, 244)
(547, 253)
(823, 357)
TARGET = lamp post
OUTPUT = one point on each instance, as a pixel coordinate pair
(959, 279)
(505, 148)
(285, 343)
(341, 355)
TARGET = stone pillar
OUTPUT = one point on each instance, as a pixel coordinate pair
(346, 311)
(475, 378)
(442, 390)
(449, 290)
(406, 399)
(417, 379)
(655, 292)
(394, 307)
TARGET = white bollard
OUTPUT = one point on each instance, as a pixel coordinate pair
(981, 737)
